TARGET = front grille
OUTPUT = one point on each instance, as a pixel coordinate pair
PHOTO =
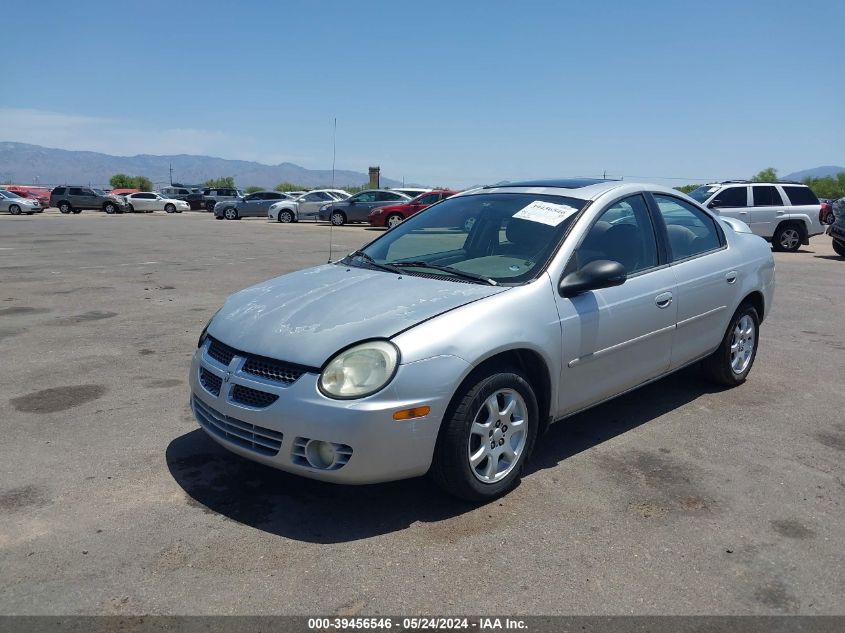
(255, 438)
(273, 370)
(252, 397)
(211, 382)
(220, 352)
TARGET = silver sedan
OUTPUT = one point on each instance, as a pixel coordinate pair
(14, 204)
(449, 344)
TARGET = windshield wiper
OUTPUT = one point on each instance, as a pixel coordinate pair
(374, 263)
(447, 269)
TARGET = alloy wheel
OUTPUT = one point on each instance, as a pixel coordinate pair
(743, 340)
(497, 436)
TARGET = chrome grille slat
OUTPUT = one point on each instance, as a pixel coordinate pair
(259, 439)
(220, 352)
(267, 368)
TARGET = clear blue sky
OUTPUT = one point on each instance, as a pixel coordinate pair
(441, 93)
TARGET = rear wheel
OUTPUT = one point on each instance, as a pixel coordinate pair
(285, 217)
(15, 209)
(487, 434)
(394, 219)
(209, 206)
(77, 211)
(839, 247)
(338, 218)
(169, 208)
(730, 364)
(787, 238)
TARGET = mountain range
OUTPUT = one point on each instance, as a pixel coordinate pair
(815, 172)
(23, 163)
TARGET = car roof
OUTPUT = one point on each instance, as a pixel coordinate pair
(588, 190)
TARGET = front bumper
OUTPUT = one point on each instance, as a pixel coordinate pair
(382, 449)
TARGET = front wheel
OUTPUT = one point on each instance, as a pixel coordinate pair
(130, 209)
(77, 211)
(169, 208)
(839, 248)
(285, 217)
(486, 436)
(15, 209)
(338, 219)
(730, 364)
(65, 207)
(110, 208)
(394, 220)
(787, 238)
(230, 214)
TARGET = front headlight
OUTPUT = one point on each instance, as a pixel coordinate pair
(360, 370)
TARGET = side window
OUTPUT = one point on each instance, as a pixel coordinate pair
(59, 191)
(766, 196)
(429, 199)
(731, 197)
(75, 191)
(273, 196)
(369, 196)
(800, 195)
(311, 197)
(690, 230)
(322, 195)
(624, 234)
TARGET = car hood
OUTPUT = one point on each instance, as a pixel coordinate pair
(307, 316)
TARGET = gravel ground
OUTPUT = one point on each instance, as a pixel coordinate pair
(678, 498)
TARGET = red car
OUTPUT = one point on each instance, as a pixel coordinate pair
(393, 214)
(34, 193)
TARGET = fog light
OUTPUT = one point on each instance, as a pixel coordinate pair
(410, 414)
(320, 454)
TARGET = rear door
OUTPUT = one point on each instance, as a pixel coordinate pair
(310, 203)
(802, 203)
(767, 209)
(83, 198)
(706, 277)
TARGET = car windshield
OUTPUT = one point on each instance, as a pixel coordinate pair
(702, 193)
(503, 238)
(9, 194)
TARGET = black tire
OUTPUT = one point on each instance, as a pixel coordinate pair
(77, 211)
(338, 218)
(15, 209)
(231, 213)
(717, 367)
(169, 208)
(178, 210)
(218, 217)
(450, 467)
(209, 206)
(64, 207)
(787, 238)
(285, 216)
(839, 248)
(396, 218)
(110, 208)
(130, 209)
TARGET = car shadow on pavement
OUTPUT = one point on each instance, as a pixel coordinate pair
(267, 499)
(832, 257)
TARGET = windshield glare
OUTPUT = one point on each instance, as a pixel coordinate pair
(506, 237)
(702, 193)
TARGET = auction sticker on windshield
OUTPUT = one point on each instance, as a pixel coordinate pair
(545, 212)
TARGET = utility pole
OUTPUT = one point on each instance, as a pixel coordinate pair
(604, 175)
(171, 174)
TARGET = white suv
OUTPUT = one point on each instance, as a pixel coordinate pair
(785, 213)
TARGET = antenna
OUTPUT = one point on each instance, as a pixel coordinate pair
(334, 156)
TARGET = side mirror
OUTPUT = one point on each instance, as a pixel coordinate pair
(602, 273)
(714, 204)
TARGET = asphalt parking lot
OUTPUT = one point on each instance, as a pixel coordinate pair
(676, 499)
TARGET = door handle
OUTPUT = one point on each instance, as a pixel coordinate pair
(663, 300)
(731, 277)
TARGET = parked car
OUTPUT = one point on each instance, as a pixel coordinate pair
(255, 205)
(207, 197)
(178, 192)
(41, 194)
(16, 205)
(74, 199)
(393, 214)
(357, 208)
(837, 229)
(411, 192)
(147, 202)
(340, 194)
(785, 213)
(436, 350)
(826, 211)
(304, 207)
(122, 192)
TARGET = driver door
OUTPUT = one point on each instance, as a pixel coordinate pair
(617, 338)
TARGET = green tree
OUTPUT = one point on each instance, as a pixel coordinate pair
(253, 189)
(827, 187)
(223, 181)
(143, 183)
(124, 181)
(288, 186)
(770, 174)
(687, 188)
